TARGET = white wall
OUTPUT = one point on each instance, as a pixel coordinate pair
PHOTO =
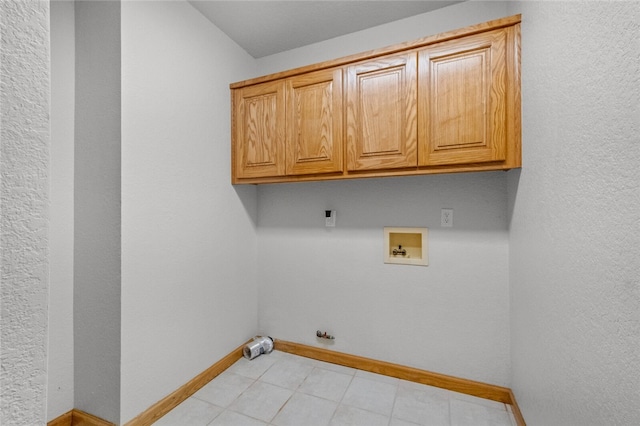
(188, 237)
(450, 317)
(60, 355)
(412, 28)
(24, 200)
(575, 224)
(574, 288)
(97, 212)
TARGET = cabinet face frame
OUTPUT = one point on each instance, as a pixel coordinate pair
(463, 91)
(314, 123)
(512, 102)
(382, 113)
(258, 130)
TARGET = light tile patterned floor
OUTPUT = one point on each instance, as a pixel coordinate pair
(281, 389)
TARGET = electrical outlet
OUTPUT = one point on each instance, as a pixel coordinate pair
(330, 218)
(446, 218)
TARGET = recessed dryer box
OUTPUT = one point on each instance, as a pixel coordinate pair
(406, 246)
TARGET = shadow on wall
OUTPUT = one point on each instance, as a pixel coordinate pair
(479, 202)
(513, 181)
(247, 194)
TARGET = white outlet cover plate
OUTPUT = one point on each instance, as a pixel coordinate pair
(331, 220)
(446, 218)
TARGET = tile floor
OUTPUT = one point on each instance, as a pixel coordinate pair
(281, 389)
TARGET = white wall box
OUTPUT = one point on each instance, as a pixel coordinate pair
(406, 246)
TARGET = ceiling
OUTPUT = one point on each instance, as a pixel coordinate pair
(266, 27)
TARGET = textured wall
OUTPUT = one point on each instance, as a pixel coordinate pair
(97, 236)
(575, 222)
(24, 198)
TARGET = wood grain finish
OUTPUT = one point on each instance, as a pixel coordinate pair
(469, 387)
(382, 113)
(63, 420)
(162, 407)
(463, 88)
(463, 168)
(516, 410)
(78, 418)
(514, 99)
(314, 123)
(258, 138)
(447, 103)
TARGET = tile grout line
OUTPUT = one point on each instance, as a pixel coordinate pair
(353, 376)
(393, 406)
(288, 399)
(315, 368)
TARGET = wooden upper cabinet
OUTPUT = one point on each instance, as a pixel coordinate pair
(314, 123)
(444, 103)
(382, 113)
(463, 91)
(258, 130)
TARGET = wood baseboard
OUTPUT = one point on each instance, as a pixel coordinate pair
(162, 407)
(63, 420)
(469, 387)
(78, 418)
(516, 410)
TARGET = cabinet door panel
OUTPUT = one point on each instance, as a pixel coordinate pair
(381, 113)
(259, 130)
(462, 101)
(314, 123)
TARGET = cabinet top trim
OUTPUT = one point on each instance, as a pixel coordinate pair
(421, 42)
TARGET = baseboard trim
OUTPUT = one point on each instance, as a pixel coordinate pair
(63, 420)
(516, 410)
(78, 418)
(162, 407)
(156, 411)
(456, 384)
(470, 387)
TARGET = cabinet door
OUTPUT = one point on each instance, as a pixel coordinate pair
(314, 123)
(382, 113)
(259, 120)
(462, 101)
